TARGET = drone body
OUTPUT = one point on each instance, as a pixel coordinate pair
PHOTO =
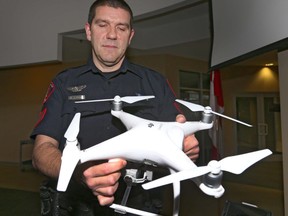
(154, 143)
(158, 142)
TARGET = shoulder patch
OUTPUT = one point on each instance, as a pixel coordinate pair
(49, 92)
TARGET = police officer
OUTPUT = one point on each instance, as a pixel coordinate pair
(107, 73)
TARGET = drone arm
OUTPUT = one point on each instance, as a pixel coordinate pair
(176, 135)
(191, 127)
(111, 148)
(129, 120)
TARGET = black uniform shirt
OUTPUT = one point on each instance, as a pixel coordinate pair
(97, 123)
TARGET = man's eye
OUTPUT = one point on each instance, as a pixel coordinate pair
(122, 28)
(102, 24)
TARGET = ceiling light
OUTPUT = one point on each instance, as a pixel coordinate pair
(269, 64)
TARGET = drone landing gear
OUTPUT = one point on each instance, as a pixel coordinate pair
(133, 177)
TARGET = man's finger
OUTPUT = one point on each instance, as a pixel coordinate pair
(180, 118)
(105, 168)
(103, 200)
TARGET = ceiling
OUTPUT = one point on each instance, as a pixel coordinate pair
(182, 31)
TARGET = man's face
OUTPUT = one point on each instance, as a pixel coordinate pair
(110, 34)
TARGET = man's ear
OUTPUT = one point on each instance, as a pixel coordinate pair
(88, 31)
(131, 35)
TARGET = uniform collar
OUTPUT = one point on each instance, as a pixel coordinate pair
(126, 67)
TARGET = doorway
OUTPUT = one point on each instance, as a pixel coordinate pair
(263, 112)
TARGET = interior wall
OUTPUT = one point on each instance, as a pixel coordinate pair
(39, 29)
(170, 66)
(23, 91)
(283, 75)
(239, 80)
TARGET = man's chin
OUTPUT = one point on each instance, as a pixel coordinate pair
(111, 62)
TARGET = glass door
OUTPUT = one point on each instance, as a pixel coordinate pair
(263, 112)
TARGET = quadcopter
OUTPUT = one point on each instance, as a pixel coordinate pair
(154, 143)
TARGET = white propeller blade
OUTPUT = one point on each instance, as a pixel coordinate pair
(133, 99)
(233, 164)
(195, 108)
(232, 119)
(239, 163)
(69, 160)
(124, 209)
(70, 155)
(127, 99)
(73, 129)
(179, 176)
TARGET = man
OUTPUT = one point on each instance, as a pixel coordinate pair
(107, 73)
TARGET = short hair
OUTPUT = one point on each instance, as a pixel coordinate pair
(110, 3)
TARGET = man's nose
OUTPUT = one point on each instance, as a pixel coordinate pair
(112, 33)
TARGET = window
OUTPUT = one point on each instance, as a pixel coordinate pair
(194, 87)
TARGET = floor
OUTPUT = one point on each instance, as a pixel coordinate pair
(19, 190)
(14, 176)
(19, 203)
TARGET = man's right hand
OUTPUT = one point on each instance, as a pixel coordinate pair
(103, 178)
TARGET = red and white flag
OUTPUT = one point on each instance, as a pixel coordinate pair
(217, 105)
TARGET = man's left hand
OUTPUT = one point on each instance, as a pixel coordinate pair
(190, 143)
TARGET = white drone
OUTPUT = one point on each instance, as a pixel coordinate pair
(154, 143)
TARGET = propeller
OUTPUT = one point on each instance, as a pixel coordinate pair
(127, 99)
(124, 209)
(195, 108)
(71, 154)
(73, 129)
(233, 164)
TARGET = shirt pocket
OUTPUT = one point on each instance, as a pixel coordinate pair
(86, 109)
